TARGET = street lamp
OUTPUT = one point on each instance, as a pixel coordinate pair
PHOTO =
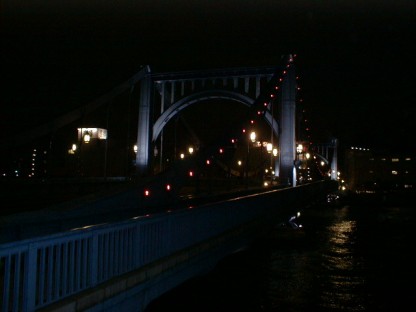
(87, 137)
(253, 136)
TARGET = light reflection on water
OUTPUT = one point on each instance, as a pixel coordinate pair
(343, 270)
(349, 259)
(321, 271)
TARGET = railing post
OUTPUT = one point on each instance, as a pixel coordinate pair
(29, 291)
(94, 259)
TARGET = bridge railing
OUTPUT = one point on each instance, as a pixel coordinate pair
(37, 272)
(40, 271)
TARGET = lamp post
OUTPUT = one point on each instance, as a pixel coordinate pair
(251, 140)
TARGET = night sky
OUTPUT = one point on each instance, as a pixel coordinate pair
(355, 59)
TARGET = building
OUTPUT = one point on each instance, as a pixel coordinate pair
(367, 170)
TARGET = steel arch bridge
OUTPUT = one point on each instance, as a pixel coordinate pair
(164, 95)
(268, 92)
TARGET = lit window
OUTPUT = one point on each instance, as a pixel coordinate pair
(394, 172)
(394, 160)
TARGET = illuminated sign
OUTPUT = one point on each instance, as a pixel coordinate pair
(93, 133)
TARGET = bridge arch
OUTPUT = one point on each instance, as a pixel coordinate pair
(166, 94)
(194, 98)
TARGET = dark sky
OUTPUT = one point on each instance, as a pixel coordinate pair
(355, 59)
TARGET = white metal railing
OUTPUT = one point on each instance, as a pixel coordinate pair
(37, 272)
(40, 271)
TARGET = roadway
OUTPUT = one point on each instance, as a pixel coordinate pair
(30, 212)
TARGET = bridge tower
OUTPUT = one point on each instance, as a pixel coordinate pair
(328, 152)
(287, 138)
(144, 126)
(334, 161)
(164, 95)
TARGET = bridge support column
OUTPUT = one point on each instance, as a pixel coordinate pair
(334, 162)
(287, 138)
(144, 134)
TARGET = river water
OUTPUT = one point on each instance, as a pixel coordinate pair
(348, 258)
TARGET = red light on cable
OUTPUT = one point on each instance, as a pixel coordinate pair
(146, 193)
(168, 187)
(191, 173)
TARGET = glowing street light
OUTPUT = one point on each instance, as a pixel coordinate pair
(87, 137)
(253, 136)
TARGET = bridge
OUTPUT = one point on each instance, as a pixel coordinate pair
(175, 215)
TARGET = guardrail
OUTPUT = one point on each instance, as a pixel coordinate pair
(37, 272)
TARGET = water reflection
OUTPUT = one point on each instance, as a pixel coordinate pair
(350, 259)
(342, 266)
